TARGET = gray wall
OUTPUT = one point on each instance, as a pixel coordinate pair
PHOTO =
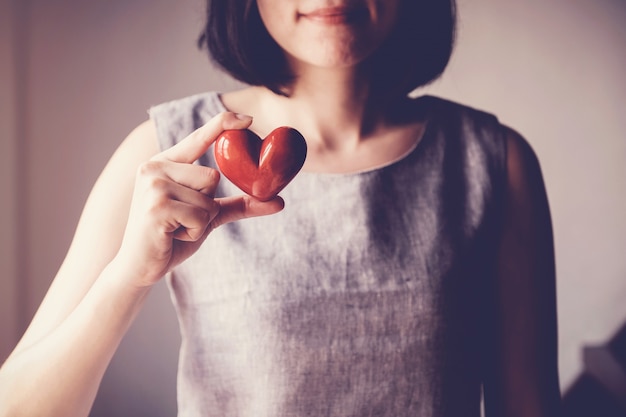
(77, 76)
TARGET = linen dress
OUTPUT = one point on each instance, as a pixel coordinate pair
(368, 295)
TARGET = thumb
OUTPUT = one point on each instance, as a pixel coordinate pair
(196, 144)
(244, 206)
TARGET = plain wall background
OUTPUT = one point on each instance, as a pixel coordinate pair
(8, 179)
(77, 76)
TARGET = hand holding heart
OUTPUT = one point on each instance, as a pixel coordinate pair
(173, 207)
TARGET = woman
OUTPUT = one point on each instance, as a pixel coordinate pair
(411, 268)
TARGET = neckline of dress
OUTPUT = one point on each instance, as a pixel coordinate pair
(426, 132)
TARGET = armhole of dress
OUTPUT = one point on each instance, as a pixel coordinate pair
(174, 120)
(164, 138)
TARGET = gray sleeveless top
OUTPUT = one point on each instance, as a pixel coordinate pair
(365, 297)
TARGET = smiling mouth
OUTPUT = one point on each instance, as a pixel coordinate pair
(335, 15)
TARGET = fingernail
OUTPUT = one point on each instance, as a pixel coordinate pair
(243, 117)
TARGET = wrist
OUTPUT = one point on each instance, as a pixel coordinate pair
(126, 278)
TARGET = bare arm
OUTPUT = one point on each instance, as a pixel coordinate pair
(523, 377)
(147, 212)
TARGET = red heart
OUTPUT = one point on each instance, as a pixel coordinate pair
(261, 168)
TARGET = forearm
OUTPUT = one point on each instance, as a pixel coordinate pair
(60, 374)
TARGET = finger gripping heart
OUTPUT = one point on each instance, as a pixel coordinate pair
(260, 167)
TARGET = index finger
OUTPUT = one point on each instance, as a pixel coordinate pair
(196, 144)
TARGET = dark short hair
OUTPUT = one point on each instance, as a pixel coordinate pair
(415, 53)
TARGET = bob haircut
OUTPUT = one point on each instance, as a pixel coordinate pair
(415, 53)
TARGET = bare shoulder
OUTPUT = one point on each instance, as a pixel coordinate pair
(140, 144)
(116, 181)
(111, 195)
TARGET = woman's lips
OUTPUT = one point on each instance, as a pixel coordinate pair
(334, 15)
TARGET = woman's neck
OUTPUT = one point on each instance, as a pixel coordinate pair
(347, 128)
(334, 108)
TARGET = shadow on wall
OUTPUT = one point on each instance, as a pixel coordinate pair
(600, 390)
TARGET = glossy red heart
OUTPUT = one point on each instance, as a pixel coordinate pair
(260, 167)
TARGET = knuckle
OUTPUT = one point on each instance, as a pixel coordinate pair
(213, 174)
(159, 204)
(246, 204)
(148, 168)
(210, 176)
(158, 184)
(211, 210)
(203, 216)
(208, 180)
